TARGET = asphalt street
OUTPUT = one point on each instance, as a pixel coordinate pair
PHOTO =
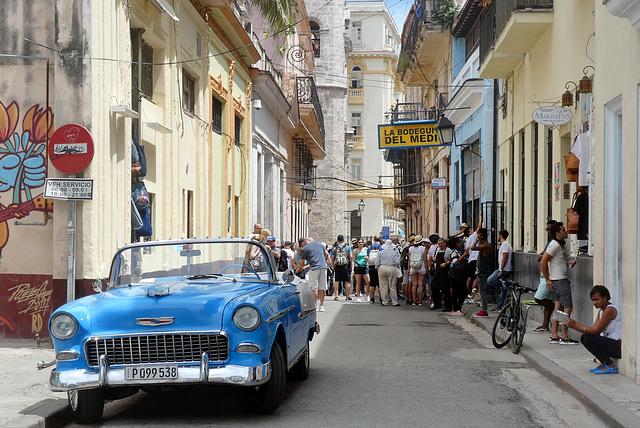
(384, 366)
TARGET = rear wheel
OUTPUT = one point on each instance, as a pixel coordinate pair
(267, 398)
(519, 329)
(501, 335)
(87, 405)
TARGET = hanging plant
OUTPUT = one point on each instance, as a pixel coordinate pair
(404, 60)
(447, 14)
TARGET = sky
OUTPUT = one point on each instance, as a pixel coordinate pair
(399, 10)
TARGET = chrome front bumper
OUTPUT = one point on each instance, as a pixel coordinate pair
(202, 374)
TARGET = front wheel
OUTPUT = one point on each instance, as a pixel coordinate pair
(87, 405)
(519, 329)
(267, 398)
(501, 335)
(301, 370)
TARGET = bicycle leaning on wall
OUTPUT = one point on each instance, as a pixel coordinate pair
(511, 324)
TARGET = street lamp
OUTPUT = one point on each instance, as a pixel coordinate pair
(360, 207)
(445, 130)
(307, 191)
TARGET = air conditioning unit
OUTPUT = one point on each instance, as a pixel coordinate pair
(248, 27)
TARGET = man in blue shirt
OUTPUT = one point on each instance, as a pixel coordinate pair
(314, 254)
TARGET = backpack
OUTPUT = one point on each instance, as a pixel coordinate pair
(404, 259)
(415, 260)
(341, 256)
(373, 255)
(283, 262)
(459, 270)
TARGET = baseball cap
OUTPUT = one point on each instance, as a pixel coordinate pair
(271, 238)
(301, 241)
(340, 238)
(287, 243)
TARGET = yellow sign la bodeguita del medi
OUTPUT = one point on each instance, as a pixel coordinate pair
(408, 134)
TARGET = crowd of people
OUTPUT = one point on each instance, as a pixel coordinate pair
(446, 272)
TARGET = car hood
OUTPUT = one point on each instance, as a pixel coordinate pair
(193, 306)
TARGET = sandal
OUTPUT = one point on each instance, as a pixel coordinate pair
(335, 298)
(600, 367)
(606, 370)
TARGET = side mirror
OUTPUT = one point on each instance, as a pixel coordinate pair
(288, 277)
(97, 286)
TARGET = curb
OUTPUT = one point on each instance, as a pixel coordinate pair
(49, 413)
(612, 413)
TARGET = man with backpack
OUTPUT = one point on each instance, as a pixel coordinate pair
(340, 258)
(372, 254)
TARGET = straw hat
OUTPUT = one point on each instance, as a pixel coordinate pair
(417, 240)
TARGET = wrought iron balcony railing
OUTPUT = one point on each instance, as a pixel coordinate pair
(308, 94)
(426, 12)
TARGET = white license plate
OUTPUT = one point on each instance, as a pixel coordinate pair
(151, 372)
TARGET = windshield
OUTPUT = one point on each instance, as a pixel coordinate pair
(189, 261)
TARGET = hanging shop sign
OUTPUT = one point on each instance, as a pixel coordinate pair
(71, 148)
(552, 116)
(403, 135)
(438, 183)
(69, 188)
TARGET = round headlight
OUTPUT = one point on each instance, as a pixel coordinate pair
(246, 318)
(63, 326)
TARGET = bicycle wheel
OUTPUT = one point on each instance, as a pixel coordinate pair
(519, 328)
(501, 334)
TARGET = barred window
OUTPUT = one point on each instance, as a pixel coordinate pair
(238, 131)
(216, 115)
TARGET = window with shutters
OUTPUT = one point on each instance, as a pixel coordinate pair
(188, 93)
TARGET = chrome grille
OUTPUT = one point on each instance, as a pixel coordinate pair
(157, 348)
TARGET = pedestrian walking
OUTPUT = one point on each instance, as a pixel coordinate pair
(372, 256)
(554, 268)
(440, 288)
(387, 264)
(404, 266)
(317, 256)
(483, 267)
(359, 268)
(418, 268)
(457, 275)
(544, 296)
(340, 258)
(505, 268)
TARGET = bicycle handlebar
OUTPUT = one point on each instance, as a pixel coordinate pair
(512, 284)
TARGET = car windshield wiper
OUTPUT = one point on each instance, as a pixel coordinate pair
(206, 275)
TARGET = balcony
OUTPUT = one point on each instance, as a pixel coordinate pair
(510, 29)
(424, 44)
(356, 96)
(310, 113)
(356, 142)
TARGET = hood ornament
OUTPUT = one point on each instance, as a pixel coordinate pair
(155, 322)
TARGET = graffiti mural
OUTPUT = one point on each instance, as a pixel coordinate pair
(36, 301)
(22, 163)
(27, 301)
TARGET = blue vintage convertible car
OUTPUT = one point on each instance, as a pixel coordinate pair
(182, 313)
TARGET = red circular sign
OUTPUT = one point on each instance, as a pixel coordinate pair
(71, 148)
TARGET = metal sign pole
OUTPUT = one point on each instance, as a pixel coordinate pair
(71, 250)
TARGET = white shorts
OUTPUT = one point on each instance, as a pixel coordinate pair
(318, 279)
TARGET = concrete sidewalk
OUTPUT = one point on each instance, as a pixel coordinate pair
(23, 385)
(614, 397)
